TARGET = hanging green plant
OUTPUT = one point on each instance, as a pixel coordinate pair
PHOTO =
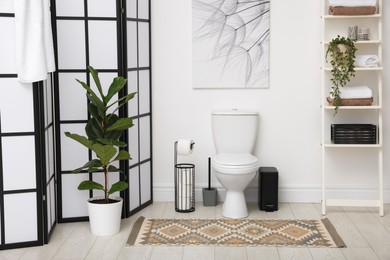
(341, 51)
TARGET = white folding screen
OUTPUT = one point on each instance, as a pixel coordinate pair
(27, 167)
(33, 148)
(95, 33)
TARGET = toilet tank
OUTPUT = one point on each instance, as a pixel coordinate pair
(234, 130)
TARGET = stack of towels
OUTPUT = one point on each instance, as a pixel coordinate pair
(355, 92)
(354, 96)
(352, 7)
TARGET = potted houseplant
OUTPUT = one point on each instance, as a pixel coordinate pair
(103, 132)
(341, 51)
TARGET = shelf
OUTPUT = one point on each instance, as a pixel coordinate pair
(363, 42)
(374, 107)
(368, 42)
(368, 68)
(360, 68)
(328, 16)
(330, 145)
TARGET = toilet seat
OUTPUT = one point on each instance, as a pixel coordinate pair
(235, 163)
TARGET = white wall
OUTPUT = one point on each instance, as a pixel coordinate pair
(290, 119)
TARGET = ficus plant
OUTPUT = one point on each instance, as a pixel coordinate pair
(104, 130)
(341, 51)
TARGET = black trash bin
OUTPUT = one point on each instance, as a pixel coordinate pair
(268, 188)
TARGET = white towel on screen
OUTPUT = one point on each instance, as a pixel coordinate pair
(34, 40)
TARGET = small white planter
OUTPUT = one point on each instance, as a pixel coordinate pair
(105, 219)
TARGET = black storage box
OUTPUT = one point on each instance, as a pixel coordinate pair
(353, 133)
(268, 188)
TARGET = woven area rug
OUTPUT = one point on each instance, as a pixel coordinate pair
(234, 232)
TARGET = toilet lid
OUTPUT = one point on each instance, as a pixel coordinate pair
(234, 159)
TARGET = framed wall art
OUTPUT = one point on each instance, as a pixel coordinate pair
(230, 43)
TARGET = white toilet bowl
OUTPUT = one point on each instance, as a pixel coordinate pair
(235, 172)
(235, 134)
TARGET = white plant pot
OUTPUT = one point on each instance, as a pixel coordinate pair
(105, 219)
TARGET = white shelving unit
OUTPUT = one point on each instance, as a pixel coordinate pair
(333, 25)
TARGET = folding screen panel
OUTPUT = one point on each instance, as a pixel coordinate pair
(92, 32)
(137, 42)
(27, 209)
(48, 157)
(20, 193)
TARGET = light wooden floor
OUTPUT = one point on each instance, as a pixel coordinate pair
(366, 234)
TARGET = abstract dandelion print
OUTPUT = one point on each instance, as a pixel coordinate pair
(230, 43)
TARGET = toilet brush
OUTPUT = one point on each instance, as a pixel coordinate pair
(209, 194)
(209, 173)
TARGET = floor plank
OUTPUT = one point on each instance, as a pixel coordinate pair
(305, 211)
(359, 254)
(295, 253)
(230, 253)
(372, 230)
(255, 253)
(345, 228)
(167, 253)
(198, 253)
(327, 254)
(78, 244)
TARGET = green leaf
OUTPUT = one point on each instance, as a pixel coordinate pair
(90, 185)
(104, 152)
(112, 168)
(81, 139)
(95, 163)
(90, 133)
(93, 110)
(92, 95)
(124, 100)
(122, 155)
(95, 75)
(121, 124)
(94, 169)
(101, 109)
(119, 143)
(119, 186)
(115, 136)
(111, 141)
(95, 127)
(111, 120)
(117, 84)
(104, 141)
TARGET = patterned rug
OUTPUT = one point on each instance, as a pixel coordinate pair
(234, 232)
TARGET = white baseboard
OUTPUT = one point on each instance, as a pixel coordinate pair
(286, 194)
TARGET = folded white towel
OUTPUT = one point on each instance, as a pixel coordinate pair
(366, 61)
(352, 2)
(34, 40)
(355, 92)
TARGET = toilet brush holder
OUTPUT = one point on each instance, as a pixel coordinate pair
(210, 195)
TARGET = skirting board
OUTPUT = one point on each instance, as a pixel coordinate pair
(286, 194)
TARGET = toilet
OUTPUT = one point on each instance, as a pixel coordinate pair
(235, 133)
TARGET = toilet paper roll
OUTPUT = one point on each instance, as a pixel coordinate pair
(185, 146)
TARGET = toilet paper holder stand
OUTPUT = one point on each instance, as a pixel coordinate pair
(184, 184)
